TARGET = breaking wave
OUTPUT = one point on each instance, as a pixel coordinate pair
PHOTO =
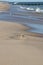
(32, 9)
(37, 9)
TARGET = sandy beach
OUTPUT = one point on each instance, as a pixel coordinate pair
(18, 48)
(4, 6)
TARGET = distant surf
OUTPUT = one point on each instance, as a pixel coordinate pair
(25, 14)
(32, 9)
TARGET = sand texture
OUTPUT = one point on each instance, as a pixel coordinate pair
(17, 47)
(4, 6)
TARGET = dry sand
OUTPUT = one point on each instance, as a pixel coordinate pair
(18, 48)
(4, 6)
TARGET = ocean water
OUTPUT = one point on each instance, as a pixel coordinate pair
(29, 15)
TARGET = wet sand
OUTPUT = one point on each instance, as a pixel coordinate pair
(18, 47)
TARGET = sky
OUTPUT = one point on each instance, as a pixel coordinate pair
(24, 0)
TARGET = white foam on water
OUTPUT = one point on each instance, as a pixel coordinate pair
(26, 8)
(38, 10)
(30, 9)
(22, 7)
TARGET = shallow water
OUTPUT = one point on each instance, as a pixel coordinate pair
(36, 28)
(28, 18)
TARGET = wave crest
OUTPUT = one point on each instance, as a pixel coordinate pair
(38, 10)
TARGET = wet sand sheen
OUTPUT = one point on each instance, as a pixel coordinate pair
(35, 28)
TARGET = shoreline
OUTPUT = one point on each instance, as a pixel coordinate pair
(18, 47)
(18, 28)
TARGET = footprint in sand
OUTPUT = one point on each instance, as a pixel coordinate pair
(18, 36)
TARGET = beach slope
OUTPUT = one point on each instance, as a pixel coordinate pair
(18, 48)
